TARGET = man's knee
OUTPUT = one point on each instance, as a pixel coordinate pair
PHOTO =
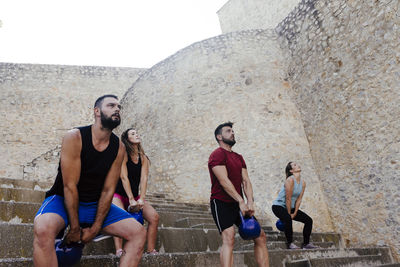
(262, 239)
(44, 232)
(41, 232)
(228, 237)
(155, 218)
(135, 231)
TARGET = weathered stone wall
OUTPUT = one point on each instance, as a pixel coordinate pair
(339, 64)
(177, 104)
(239, 15)
(39, 103)
(345, 75)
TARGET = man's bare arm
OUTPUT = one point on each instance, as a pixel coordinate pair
(248, 191)
(222, 175)
(71, 169)
(106, 196)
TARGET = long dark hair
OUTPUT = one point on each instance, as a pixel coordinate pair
(288, 169)
(130, 148)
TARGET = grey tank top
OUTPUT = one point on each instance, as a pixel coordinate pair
(281, 199)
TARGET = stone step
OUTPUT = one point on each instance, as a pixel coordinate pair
(37, 196)
(207, 222)
(26, 184)
(180, 207)
(9, 193)
(326, 239)
(211, 225)
(169, 218)
(315, 237)
(203, 213)
(171, 240)
(278, 258)
(155, 200)
(185, 219)
(320, 256)
(17, 240)
(189, 206)
(44, 186)
(282, 245)
(21, 195)
(187, 222)
(24, 212)
(18, 212)
(361, 261)
(204, 226)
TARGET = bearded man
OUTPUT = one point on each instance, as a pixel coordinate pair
(89, 169)
(228, 173)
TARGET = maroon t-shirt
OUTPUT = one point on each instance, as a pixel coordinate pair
(234, 163)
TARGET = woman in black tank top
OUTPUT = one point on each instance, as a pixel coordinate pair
(134, 174)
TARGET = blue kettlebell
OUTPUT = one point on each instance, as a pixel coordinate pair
(280, 225)
(249, 228)
(138, 216)
(68, 255)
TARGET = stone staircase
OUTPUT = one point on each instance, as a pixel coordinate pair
(187, 237)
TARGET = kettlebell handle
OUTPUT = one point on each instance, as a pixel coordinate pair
(63, 244)
(241, 216)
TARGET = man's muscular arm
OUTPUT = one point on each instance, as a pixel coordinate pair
(71, 169)
(222, 175)
(248, 191)
(106, 196)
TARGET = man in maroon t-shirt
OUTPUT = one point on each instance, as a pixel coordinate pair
(228, 174)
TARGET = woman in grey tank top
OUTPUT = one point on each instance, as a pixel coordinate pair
(286, 206)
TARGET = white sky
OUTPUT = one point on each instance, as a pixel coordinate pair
(123, 33)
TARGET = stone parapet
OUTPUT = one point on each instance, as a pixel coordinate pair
(39, 103)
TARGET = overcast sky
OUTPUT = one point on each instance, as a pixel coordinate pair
(123, 33)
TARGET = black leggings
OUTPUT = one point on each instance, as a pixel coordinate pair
(284, 216)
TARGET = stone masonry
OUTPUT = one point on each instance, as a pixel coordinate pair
(39, 103)
(236, 77)
(239, 15)
(344, 76)
(321, 89)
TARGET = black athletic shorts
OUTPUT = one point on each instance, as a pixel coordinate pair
(225, 214)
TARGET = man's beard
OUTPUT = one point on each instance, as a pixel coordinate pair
(108, 122)
(228, 141)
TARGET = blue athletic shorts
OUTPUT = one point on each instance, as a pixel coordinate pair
(87, 211)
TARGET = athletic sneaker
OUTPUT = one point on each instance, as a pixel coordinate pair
(293, 246)
(120, 252)
(100, 237)
(154, 252)
(310, 246)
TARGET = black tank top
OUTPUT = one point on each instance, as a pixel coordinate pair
(134, 171)
(94, 168)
